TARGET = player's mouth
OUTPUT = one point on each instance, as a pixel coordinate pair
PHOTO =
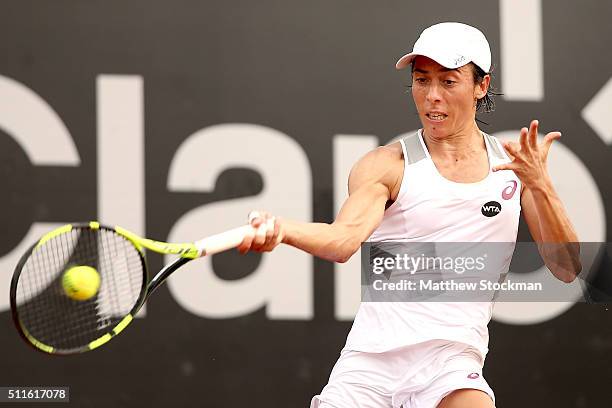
(436, 116)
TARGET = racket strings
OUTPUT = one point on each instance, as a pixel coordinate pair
(48, 302)
(120, 291)
(50, 309)
(54, 319)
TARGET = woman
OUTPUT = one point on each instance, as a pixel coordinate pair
(430, 187)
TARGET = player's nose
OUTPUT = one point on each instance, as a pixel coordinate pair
(433, 93)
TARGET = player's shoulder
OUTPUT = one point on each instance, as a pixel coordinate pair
(382, 156)
(383, 164)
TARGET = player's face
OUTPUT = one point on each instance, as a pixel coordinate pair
(445, 98)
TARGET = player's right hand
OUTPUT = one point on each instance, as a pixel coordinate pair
(268, 233)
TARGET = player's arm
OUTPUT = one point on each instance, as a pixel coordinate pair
(542, 208)
(552, 230)
(373, 181)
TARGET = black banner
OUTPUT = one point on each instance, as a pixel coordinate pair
(174, 119)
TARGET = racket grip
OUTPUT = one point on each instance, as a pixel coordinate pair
(223, 241)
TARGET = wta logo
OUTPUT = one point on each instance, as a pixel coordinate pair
(508, 192)
(491, 209)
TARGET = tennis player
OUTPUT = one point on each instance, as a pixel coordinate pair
(431, 187)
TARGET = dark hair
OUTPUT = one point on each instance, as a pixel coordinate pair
(486, 103)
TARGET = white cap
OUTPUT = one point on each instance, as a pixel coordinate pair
(451, 45)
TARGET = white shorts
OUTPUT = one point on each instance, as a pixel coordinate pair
(414, 376)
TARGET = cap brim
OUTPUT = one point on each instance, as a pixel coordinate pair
(405, 60)
(440, 59)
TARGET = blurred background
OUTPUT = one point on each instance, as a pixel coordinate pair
(175, 119)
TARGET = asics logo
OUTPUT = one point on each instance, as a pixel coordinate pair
(508, 192)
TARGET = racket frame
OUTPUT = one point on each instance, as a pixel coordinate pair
(186, 252)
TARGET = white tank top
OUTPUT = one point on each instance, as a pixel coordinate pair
(431, 208)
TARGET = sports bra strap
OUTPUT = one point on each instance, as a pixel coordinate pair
(413, 149)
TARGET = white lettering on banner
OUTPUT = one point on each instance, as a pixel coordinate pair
(9, 261)
(347, 276)
(567, 171)
(40, 132)
(283, 282)
(597, 113)
(120, 150)
(33, 123)
(522, 67)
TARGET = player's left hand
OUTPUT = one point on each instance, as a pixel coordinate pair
(528, 156)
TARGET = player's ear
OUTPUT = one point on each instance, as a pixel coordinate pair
(481, 88)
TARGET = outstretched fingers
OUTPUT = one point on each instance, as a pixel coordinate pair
(548, 141)
(505, 166)
(523, 139)
(513, 149)
(533, 134)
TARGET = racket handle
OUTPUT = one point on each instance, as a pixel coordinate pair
(223, 241)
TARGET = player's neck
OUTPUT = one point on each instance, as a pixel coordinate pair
(464, 143)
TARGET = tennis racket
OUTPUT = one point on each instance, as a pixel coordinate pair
(56, 323)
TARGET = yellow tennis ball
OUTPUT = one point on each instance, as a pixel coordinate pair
(81, 282)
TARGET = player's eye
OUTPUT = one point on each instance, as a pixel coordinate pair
(449, 82)
(420, 80)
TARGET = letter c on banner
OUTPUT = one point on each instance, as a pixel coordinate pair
(41, 133)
